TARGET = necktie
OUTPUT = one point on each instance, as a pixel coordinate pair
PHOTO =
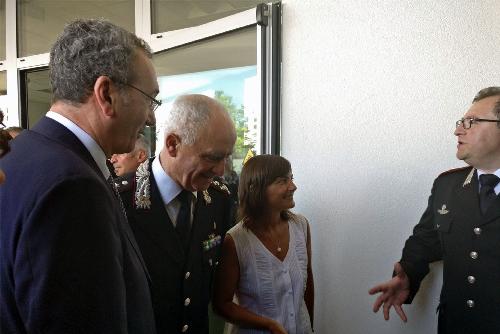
(183, 225)
(487, 193)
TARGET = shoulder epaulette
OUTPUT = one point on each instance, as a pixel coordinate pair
(454, 170)
(220, 186)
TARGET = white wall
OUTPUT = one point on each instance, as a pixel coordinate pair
(371, 92)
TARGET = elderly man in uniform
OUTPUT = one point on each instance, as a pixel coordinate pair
(461, 226)
(125, 163)
(69, 262)
(179, 213)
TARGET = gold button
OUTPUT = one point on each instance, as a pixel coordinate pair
(477, 230)
(471, 279)
(187, 301)
(474, 255)
(470, 303)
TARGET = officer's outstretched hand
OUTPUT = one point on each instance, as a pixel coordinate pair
(394, 293)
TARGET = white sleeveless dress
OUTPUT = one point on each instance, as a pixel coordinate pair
(269, 287)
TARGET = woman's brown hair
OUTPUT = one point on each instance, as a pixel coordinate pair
(257, 174)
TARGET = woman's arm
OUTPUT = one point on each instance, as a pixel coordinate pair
(226, 282)
(309, 293)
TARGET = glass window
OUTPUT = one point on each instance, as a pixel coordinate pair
(224, 68)
(3, 92)
(2, 29)
(168, 15)
(41, 21)
(37, 94)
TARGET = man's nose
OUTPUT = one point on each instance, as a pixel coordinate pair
(218, 169)
(459, 130)
(151, 118)
(113, 158)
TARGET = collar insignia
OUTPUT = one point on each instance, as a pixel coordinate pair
(142, 194)
(468, 179)
(443, 210)
(206, 197)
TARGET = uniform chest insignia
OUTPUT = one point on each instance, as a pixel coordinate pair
(142, 196)
(443, 210)
(206, 197)
(213, 241)
(468, 179)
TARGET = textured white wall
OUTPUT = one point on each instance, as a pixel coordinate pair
(371, 92)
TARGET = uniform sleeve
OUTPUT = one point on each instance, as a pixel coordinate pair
(421, 248)
(69, 266)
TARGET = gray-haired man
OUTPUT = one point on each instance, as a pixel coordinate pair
(179, 213)
(69, 262)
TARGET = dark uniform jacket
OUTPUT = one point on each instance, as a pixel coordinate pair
(453, 229)
(68, 259)
(181, 280)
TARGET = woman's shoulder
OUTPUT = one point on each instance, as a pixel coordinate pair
(237, 229)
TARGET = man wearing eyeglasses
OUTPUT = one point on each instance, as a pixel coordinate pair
(180, 212)
(69, 262)
(461, 227)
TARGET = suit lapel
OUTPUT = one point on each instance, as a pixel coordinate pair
(156, 223)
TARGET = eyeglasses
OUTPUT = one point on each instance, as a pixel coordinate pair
(467, 122)
(153, 103)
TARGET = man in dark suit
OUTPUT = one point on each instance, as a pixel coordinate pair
(461, 226)
(179, 213)
(69, 262)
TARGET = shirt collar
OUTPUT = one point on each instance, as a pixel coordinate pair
(90, 144)
(169, 189)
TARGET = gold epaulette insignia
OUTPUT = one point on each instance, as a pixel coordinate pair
(220, 186)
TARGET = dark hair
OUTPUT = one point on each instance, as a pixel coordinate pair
(257, 174)
(86, 50)
(488, 92)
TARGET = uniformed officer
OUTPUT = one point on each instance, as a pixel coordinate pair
(179, 213)
(460, 226)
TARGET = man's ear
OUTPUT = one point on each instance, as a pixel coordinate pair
(141, 156)
(172, 142)
(103, 92)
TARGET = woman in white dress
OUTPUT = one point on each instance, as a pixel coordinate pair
(264, 282)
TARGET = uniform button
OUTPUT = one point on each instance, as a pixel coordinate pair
(471, 279)
(186, 276)
(185, 328)
(474, 255)
(187, 301)
(477, 230)
(470, 303)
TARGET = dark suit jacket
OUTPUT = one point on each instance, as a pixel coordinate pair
(181, 281)
(68, 260)
(451, 229)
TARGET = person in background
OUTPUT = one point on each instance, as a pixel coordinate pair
(125, 163)
(4, 144)
(14, 131)
(266, 257)
(179, 213)
(461, 227)
(69, 262)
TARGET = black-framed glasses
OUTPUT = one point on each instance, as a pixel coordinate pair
(467, 122)
(153, 103)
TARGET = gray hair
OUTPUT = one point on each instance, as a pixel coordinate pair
(189, 114)
(142, 143)
(86, 50)
(487, 92)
